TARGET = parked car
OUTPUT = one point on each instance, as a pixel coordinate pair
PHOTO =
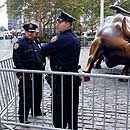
(8, 35)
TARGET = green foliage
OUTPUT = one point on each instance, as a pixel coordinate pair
(45, 12)
(44, 39)
(14, 7)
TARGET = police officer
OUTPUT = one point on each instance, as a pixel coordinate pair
(64, 51)
(26, 56)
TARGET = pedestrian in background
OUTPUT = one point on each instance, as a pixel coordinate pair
(26, 56)
(64, 54)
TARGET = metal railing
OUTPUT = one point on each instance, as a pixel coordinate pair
(104, 101)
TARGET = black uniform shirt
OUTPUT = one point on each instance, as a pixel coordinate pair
(26, 54)
(64, 52)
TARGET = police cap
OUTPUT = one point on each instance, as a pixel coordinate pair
(30, 27)
(65, 17)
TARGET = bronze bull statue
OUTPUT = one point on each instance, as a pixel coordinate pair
(112, 42)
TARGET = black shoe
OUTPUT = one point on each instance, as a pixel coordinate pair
(21, 120)
(40, 114)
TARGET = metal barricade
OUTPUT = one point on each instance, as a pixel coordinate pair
(7, 86)
(104, 102)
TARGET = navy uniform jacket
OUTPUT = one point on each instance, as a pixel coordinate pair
(64, 52)
(26, 54)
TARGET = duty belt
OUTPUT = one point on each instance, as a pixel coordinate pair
(66, 69)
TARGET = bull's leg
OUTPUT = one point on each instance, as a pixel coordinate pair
(94, 54)
(125, 71)
(98, 63)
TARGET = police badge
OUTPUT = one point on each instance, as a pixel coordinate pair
(53, 39)
(15, 46)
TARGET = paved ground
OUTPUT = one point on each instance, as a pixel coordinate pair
(5, 49)
(103, 105)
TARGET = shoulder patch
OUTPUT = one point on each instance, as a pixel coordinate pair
(16, 46)
(39, 46)
(53, 39)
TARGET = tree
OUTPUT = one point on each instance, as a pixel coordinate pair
(36, 10)
(45, 12)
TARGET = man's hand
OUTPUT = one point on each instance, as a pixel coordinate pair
(86, 78)
(53, 39)
(20, 77)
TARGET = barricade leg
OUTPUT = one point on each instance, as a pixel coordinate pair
(0, 125)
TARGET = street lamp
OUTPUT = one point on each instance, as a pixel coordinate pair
(101, 12)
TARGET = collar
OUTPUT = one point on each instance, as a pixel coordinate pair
(68, 30)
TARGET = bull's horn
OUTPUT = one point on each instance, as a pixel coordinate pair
(119, 9)
(125, 29)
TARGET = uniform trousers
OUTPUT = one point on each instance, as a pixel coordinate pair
(65, 102)
(26, 96)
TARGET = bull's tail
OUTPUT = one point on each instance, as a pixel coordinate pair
(119, 9)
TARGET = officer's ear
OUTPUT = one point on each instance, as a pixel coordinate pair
(68, 24)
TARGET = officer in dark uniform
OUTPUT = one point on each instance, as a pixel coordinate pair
(26, 56)
(64, 51)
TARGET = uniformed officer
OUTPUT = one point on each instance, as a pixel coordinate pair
(26, 56)
(64, 51)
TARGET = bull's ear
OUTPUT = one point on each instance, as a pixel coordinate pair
(125, 28)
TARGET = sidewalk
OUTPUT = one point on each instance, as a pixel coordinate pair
(103, 102)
